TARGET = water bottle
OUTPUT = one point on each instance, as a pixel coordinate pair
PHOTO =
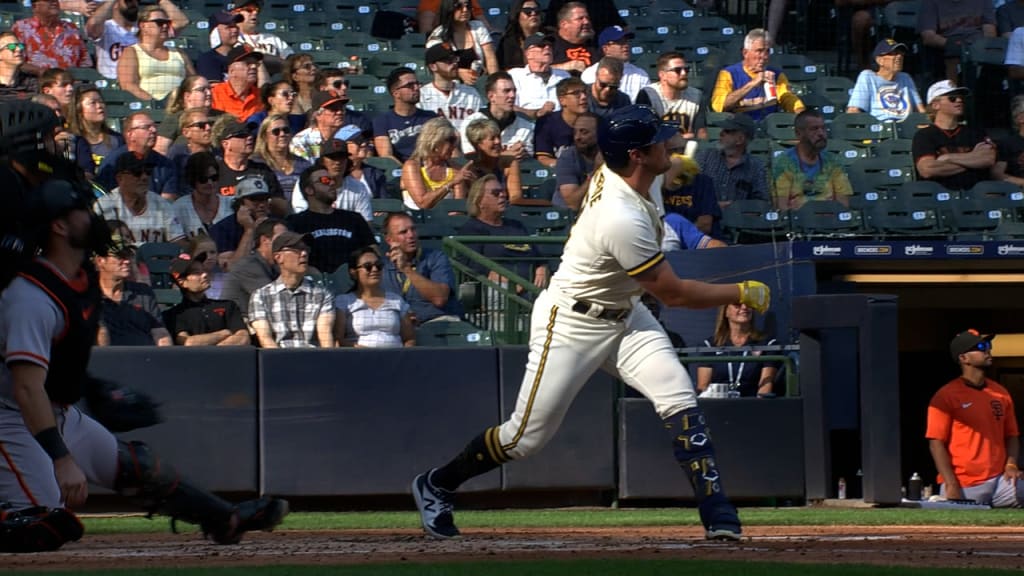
(914, 487)
(841, 492)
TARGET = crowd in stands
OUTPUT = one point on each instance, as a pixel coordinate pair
(267, 165)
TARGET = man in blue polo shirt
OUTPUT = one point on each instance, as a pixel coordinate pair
(422, 276)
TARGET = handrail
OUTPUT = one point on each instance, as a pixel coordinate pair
(792, 381)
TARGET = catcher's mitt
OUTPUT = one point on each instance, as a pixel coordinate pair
(120, 409)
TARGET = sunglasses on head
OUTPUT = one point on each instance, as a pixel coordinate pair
(281, 130)
(367, 266)
(13, 46)
(208, 178)
(203, 124)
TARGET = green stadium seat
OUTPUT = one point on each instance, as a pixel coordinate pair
(754, 221)
(779, 127)
(827, 218)
(835, 88)
(923, 190)
(846, 152)
(862, 128)
(542, 220)
(975, 216)
(915, 121)
(452, 334)
(897, 149)
(799, 69)
(896, 218)
(157, 257)
(879, 174)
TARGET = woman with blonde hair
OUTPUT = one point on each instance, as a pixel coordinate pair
(429, 176)
(88, 120)
(484, 136)
(150, 70)
(735, 328)
(192, 93)
(271, 148)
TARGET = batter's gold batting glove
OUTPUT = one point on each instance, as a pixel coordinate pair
(755, 294)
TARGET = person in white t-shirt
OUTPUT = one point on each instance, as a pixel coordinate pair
(535, 82)
(113, 26)
(454, 101)
(516, 129)
(614, 43)
(149, 217)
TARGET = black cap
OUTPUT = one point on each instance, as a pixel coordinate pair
(129, 162)
(439, 52)
(241, 52)
(323, 99)
(537, 39)
(334, 147)
(739, 123)
(183, 265)
(223, 17)
(966, 341)
(234, 129)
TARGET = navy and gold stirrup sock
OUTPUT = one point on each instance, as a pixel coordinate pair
(480, 456)
(691, 443)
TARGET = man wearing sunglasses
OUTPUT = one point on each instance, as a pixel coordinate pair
(113, 26)
(605, 96)
(329, 113)
(149, 217)
(954, 155)
(395, 131)
(444, 96)
(972, 430)
(15, 82)
(49, 41)
(674, 99)
(614, 42)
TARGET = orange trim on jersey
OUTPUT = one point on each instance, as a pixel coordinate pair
(13, 357)
(64, 309)
(650, 263)
(536, 381)
(17, 474)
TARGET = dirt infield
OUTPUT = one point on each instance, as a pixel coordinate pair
(955, 547)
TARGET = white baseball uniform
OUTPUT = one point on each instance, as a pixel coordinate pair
(457, 105)
(157, 223)
(617, 236)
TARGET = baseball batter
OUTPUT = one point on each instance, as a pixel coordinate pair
(49, 315)
(591, 317)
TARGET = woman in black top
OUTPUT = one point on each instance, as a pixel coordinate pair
(735, 327)
(524, 18)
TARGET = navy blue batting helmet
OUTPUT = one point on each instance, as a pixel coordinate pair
(630, 128)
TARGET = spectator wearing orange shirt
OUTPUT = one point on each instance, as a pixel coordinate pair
(51, 42)
(239, 95)
(972, 430)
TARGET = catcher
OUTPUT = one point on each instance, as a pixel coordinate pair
(49, 449)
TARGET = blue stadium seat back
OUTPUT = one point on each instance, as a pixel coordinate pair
(865, 201)
(826, 218)
(861, 127)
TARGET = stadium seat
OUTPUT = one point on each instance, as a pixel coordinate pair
(896, 149)
(157, 257)
(865, 201)
(382, 207)
(915, 121)
(862, 128)
(822, 104)
(779, 127)
(846, 152)
(452, 334)
(974, 216)
(799, 69)
(826, 218)
(879, 174)
(761, 148)
(542, 220)
(984, 50)
(753, 221)
(923, 190)
(889, 218)
(835, 88)
(999, 194)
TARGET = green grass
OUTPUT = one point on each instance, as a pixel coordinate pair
(557, 568)
(590, 518)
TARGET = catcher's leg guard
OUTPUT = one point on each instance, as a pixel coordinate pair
(691, 441)
(142, 475)
(37, 529)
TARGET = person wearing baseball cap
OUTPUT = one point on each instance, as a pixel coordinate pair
(292, 311)
(614, 42)
(239, 95)
(199, 320)
(252, 203)
(329, 113)
(445, 96)
(736, 173)
(273, 48)
(954, 155)
(536, 81)
(890, 93)
(972, 430)
(612, 255)
(213, 64)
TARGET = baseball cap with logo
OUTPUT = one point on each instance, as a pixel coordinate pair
(613, 34)
(183, 265)
(967, 341)
(887, 46)
(242, 52)
(334, 147)
(225, 18)
(251, 186)
(289, 239)
(439, 53)
(944, 88)
(323, 99)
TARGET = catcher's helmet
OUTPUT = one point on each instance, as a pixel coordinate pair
(630, 128)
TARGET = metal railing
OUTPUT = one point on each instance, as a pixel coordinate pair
(731, 354)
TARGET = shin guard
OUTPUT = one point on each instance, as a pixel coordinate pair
(691, 442)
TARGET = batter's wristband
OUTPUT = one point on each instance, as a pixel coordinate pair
(52, 443)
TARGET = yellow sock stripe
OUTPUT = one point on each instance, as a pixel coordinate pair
(493, 449)
(536, 380)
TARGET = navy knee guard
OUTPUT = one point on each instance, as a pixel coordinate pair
(156, 484)
(691, 442)
(37, 529)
